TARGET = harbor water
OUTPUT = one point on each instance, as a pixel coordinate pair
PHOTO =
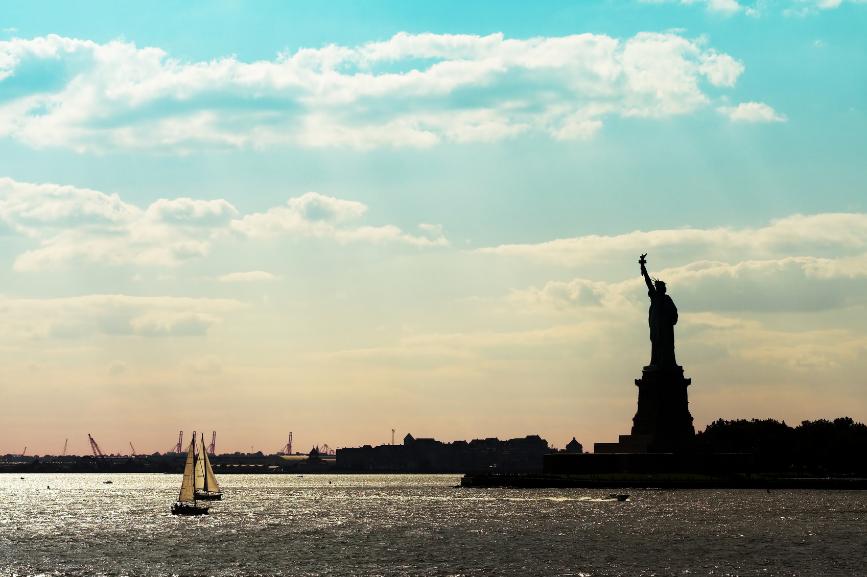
(77, 524)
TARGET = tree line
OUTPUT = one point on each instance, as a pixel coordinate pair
(838, 446)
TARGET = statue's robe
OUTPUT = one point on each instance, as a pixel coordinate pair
(661, 318)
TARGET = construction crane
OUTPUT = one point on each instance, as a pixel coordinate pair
(392, 436)
(212, 448)
(287, 448)
(133, 449)
(97, 452)
(24, 452)
(179, 447)
(65, 443)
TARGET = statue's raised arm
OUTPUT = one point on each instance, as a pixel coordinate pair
(643, 261)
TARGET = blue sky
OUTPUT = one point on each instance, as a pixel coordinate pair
(425, 216)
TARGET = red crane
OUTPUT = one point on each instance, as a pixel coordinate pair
(95, 448)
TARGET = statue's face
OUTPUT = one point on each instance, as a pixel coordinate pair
(660, 286)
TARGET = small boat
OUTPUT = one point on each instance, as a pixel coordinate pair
(619, 496)
(207, 488)
(186, 503)
(107, 482)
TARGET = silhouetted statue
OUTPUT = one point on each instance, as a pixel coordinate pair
(661, 318)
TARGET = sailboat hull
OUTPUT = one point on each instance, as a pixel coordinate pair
(188, 509)
(203, 496)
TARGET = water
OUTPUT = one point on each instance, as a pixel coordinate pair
(419, 525)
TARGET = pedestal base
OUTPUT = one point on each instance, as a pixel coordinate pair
(662, 423)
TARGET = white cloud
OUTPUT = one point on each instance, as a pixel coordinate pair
(809, 7)
(752, 112)
(30, 208)
(247, 277)
(784, 284)
(755, 8)
(112, 315)
(721, 69)
(566, 295)
(774, 301)
(826, 234)
(724, 6)
(408, 90)
(72, 224)
(799, 263)
(187, 211)
(319, 216)
(175, 323)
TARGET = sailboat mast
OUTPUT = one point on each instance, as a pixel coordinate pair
(194, 467)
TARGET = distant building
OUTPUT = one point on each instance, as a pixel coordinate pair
(431, 456)
(574, 446)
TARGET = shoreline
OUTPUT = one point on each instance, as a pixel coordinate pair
(659, 481)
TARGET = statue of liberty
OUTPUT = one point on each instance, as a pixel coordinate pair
(661, 318)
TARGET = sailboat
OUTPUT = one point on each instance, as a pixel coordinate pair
(207, 488)
(186, 503)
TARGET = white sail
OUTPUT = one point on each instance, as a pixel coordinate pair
(200, 477)
(210, 480)
(187, 485)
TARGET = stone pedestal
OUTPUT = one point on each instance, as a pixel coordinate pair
(662, 423)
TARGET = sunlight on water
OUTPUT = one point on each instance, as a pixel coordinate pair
(418, 525)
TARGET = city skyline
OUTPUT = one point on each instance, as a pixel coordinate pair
(342, 220)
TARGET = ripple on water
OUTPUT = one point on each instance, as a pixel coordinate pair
(418, 525)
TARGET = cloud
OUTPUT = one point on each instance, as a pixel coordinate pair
(413, 90)
(752, 112)
(319, 216)
(117, 368)
(724, 7)
(788, 284)
(155, 324)
(824, 234)
(247, 277)
(796, 275)
(575, 294)
(466, 348)
(809, 7)
(71, 224)
(721, 69)
(190, 212)
(757, 7)
(30, 208)
(112, 315)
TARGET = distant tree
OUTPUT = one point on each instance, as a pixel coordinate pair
(838, 446)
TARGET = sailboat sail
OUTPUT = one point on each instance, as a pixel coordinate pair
(188, 485)
(210, 480)
(200, 477)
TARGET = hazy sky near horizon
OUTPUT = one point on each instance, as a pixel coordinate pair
(341, 218)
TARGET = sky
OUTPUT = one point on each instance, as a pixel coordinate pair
(343, 218)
